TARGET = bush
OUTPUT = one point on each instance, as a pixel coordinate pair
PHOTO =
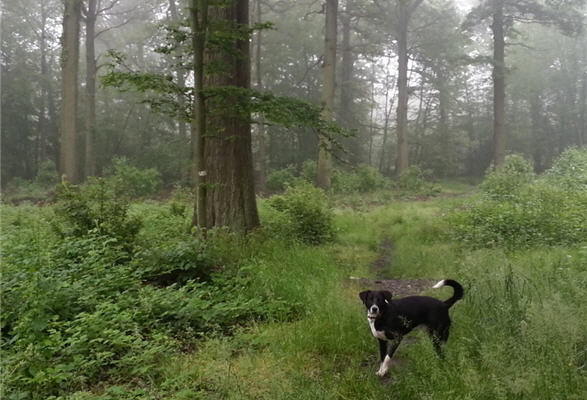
(94, 208)
(130, 181)
(570, 170)
(308, 172)
(364, 179)
(344, 182)
(506, 182)
(370, 179)
(76, 310)
(47, 175)
(278, 180)
(518, 212)
(302, 213)
(416, 181)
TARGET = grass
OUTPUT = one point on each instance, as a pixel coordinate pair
(520, 332)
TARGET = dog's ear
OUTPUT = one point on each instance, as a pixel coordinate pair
(363, 295)
(387, 295)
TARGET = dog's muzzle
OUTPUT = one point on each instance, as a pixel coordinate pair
(373, 312)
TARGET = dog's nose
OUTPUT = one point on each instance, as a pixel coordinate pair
(374, 309)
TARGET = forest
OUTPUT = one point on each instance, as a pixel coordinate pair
(194, 192)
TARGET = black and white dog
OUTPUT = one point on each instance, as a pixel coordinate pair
(391, 319)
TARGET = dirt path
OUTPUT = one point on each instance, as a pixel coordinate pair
(399, 287)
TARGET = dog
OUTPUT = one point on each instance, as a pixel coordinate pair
(391, 319)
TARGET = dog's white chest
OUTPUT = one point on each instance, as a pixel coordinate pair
(375, 332)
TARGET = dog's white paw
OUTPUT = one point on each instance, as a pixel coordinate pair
(381, 373)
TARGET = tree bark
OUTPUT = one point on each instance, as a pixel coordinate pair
(346, 110)
(228, 161)
(405, 10)
(91, 72)
(324, 167)
(45, 81)
(69, 80)
(402, 162)
(262, 154)
(199, 22)
(499, 133)
(180, 76)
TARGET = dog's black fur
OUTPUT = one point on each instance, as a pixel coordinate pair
(391, 319)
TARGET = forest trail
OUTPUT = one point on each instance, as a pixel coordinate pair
(381, 266)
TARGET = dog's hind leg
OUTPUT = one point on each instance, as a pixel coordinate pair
(439, 336)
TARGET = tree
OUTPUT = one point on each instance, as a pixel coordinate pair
(324, 167)
(503, 14)
(199, 23)
(225, 148)
(398, 20)
(69, 88)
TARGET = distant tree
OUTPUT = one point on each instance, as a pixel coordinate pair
(398, 15)
(324, 167)
(69, 157)
(261, 134)
(503, 14)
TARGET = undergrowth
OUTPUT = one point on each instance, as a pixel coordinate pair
(268, 317)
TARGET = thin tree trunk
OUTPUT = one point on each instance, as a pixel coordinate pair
(182, 126)
(45, 79)
(69, 81)
(346, 112)
(499, 133)
(405, 9)
(91, 72)
(324, 167)
(262, 153)
(199, 20)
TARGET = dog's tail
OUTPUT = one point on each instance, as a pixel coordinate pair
(458, 290)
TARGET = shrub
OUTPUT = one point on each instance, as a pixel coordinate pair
(308, 172)
(506, 182)
(47, 174)
(303, 213)
(76, 310)
(94, 208)
(370, 179)
(415, 180)
(570, 170)
(364, 179)
(278, 180)
(518, 212)
(344, 182)
(130, 181)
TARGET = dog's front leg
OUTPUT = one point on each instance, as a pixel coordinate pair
(386, 361)
(382, 349)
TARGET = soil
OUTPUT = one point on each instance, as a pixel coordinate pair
(398, 287)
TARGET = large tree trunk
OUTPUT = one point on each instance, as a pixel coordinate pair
(91, 72)
(69, 69)
(228, 162)
(499, 134)
(324, 167)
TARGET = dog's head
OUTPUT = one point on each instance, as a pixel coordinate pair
(376, 301)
